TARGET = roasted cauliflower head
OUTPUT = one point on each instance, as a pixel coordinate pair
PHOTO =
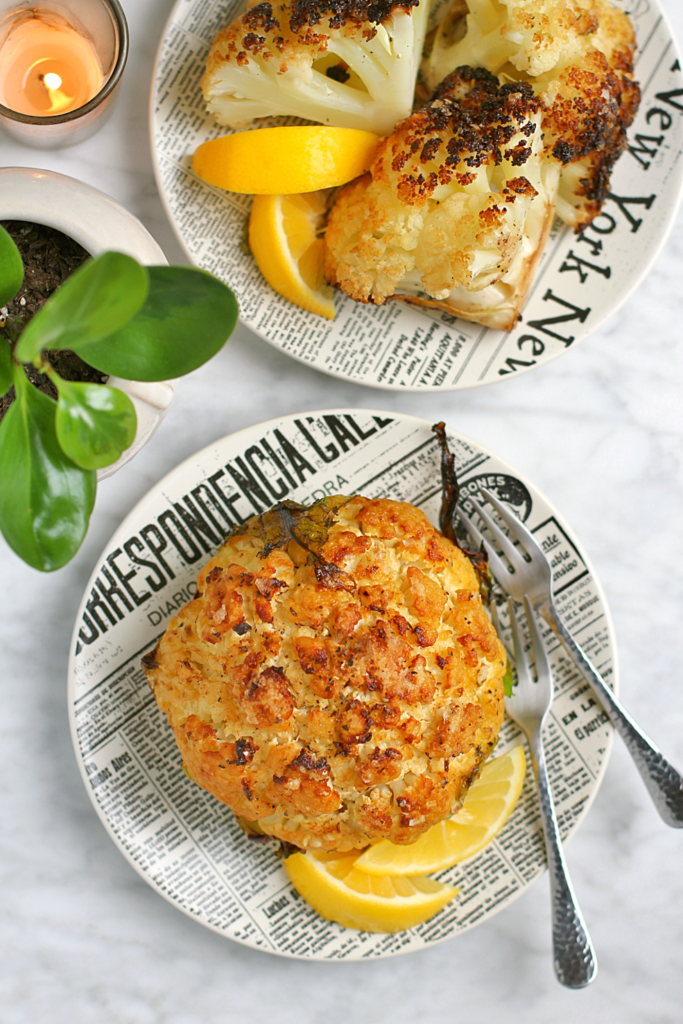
(350, 63)
(336, 679)
(577, 55)
(456, 208)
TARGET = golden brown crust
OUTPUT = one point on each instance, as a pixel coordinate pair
(339, 687)
(505, 316)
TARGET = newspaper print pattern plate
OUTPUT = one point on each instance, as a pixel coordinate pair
(581, 279)
(185, 843)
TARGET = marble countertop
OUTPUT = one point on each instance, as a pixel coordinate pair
(600, 432)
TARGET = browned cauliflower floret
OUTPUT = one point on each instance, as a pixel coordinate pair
(589, 106)
(578, 57)
(456, 207)
(351, 63)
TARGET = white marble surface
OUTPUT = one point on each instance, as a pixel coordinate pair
(85, 941)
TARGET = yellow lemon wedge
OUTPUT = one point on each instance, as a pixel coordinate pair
(299, 158)
(334, 886)
(283, 236)
(488, 805)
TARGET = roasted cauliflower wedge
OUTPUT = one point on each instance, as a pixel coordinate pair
(578, 57)
(456, 208)
(347, 63)
(336, 680)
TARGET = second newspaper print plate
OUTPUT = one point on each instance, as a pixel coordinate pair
(581, 281)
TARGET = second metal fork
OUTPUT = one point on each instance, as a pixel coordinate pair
(573, 955)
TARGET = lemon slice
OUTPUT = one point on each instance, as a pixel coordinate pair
(487, 807)
(301, 158)
(283, 236)
(334, 886)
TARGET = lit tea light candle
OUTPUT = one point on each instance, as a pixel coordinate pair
(59, 69)
(47, 67)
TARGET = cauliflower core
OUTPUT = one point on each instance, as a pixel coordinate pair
(348, 63)
(336, 677)
(578, 57)
(456, 208)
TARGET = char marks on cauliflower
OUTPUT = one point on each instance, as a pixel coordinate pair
(578, 57)
(589, 107)
(336, 678)
(349, 63)
(456, 207)
(344, 12)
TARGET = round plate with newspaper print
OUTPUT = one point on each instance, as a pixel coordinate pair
(186, 844)
(581, 279)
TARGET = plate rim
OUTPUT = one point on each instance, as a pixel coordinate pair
(150, 495)
(601, 318)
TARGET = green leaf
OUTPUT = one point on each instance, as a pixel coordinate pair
(94, 423)
(508, 680)
(5, 366)
(45, 500)
(96, 300)
(187, 317)
(11, 268)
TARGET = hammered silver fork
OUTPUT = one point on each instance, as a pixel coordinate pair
(521, 569)
(532, 696)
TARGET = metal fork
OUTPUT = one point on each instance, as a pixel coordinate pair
(527, 571)
(573, 954)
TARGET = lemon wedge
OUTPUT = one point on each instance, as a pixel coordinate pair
(299, 158)
(488, 805)
(334, 886)
(283, 236)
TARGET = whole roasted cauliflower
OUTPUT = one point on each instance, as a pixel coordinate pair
(456, 208)
(577, 55)
(336, 679)
(349, 63)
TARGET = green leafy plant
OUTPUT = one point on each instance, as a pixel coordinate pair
(124, 319)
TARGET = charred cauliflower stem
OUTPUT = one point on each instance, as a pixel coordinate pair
(349, 63)
(577, 55)
(456, 208)
(336, 678)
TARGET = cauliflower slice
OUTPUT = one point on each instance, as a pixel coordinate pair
(578, 57)
(534, 36)
(349, 63)
(456, 208)
(588, 107)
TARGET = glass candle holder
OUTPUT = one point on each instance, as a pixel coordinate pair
(60, 66)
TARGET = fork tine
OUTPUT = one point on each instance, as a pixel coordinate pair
(540, 652)
(497, 566)
(497, 625)
(514, 556)
(494, 617)
(515, 525)
(521, 658)
(475, 533)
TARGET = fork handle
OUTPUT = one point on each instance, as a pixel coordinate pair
(663, 782)
(573, 955)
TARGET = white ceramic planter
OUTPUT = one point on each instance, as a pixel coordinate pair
(98, 223)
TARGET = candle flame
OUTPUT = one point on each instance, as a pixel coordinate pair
(52, 81)
(59, 100)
